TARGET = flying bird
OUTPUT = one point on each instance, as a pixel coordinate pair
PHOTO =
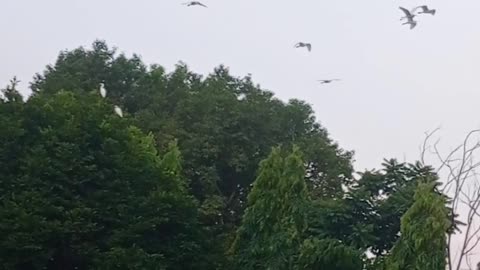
(103, 91)
(194, 3)
(328, 81)
(118, 111)
(304, 45)
(409, 16)
(425, 10)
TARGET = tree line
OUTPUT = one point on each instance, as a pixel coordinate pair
(203, 173)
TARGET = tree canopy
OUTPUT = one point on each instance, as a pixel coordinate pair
(82, 189)
(368, 217)
(274, 222)
(422, 244)
(203, 172)
(224, 125)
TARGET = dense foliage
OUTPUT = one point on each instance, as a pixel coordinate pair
(422, 245)
(328, 254)
(368, 218)
(188, 179)
(274, 222)
(82, 188)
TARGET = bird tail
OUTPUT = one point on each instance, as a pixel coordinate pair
(434, 11)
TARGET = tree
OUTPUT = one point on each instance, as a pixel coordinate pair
(224, 125)
(328, 254)
(368, 217)
(230, 121)
(83, 189)
(274, 222)
(11, 107)
(392, 198)
(10, 93)
(423, 242)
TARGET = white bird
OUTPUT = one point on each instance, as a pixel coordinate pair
(328, 81)
(409, 16)
(103, 91)
(303, 44)
(194, 3)
(118, 111)
(425, 10)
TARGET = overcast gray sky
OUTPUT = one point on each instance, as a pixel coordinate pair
(396, 83)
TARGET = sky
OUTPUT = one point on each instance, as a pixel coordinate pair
(396, 83)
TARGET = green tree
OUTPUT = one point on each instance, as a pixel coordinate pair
(11, 107)
(328, 254)
(224, 125)
(391, 192)
(274, 222)
(368, 217)
(422, 245)
(81, 188)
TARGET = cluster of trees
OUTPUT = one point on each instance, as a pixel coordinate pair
(202, 173)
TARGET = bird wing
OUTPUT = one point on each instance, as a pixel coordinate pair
(413, 24)
(406, 11)
(424, 8)
(200, 4)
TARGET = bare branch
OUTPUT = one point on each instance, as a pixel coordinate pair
(458, 170)
(424, 147)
